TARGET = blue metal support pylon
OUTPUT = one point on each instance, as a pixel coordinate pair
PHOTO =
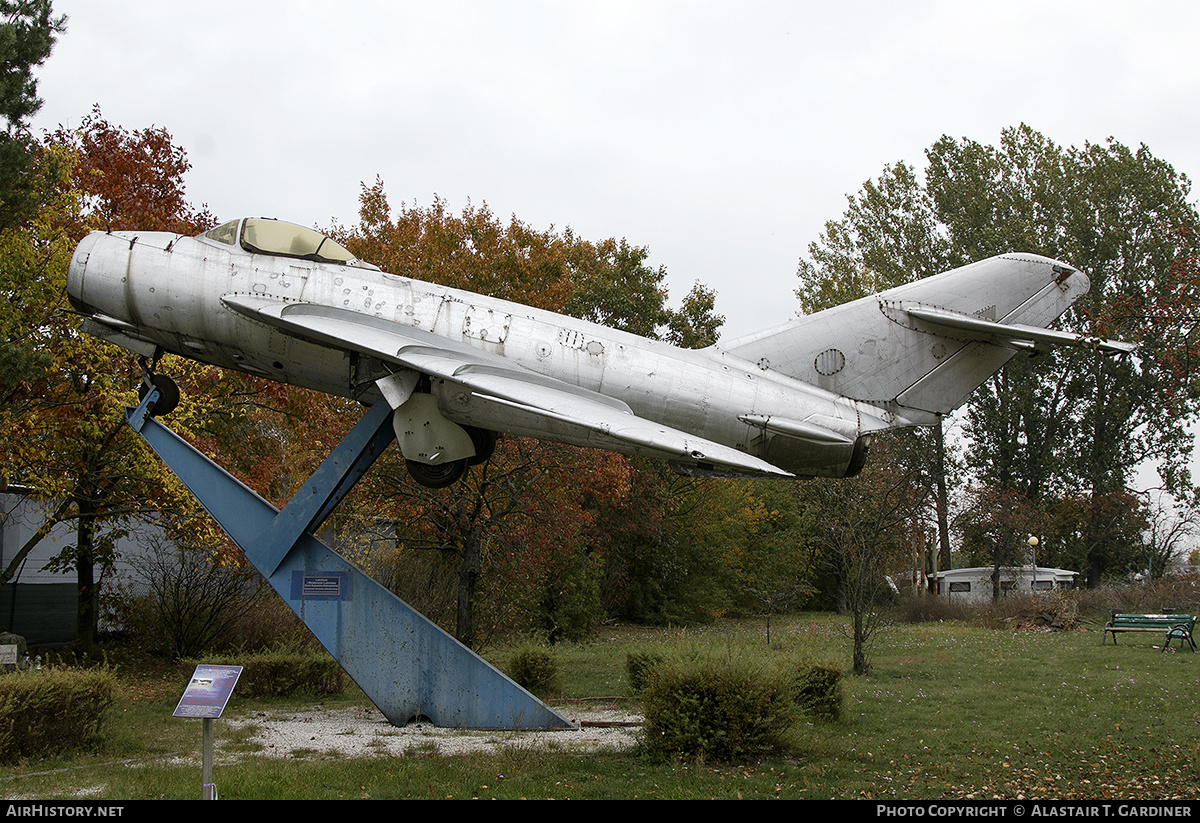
(405, 664)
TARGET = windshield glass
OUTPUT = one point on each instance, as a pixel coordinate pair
(263, 236)
(224, 233)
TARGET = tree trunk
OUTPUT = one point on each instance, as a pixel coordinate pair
(85, 577)
(943, 519)
(468, 576)
(861, 666)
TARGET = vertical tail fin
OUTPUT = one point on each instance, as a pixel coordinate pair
(925, 346)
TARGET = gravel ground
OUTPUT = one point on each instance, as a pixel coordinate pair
(364, 732)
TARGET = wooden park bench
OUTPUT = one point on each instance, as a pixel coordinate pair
(1173, 626)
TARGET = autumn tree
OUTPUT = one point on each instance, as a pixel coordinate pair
(868, 526)
(131, 180)
(44, 245)
(996, 525)
(473, 250)
(72, 446)
(516, 536)
(607, 281)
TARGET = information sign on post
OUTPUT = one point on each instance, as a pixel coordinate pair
(208, 691)
(205, 697)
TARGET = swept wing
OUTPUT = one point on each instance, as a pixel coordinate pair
(596, 419)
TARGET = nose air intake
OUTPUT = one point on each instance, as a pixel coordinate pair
(75, 276)
(96, 278)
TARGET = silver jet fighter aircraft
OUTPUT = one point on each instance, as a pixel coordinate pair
(285, 302)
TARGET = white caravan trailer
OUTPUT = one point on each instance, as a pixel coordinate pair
(975, 584)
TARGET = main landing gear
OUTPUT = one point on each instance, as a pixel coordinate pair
(444, 475)
(440, 476)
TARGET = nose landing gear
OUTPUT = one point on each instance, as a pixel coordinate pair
(168, 389)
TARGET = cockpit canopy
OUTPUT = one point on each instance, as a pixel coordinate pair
(262, 235)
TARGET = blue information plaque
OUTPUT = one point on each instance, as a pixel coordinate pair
(208, 691)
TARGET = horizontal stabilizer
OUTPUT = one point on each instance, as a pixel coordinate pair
(975, 328)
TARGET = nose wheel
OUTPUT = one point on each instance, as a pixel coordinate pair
(168, 394)
(168, 391)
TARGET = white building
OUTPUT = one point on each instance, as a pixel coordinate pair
(975, 584)
(39, 604)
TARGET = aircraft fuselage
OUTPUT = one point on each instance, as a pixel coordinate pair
(148, 291)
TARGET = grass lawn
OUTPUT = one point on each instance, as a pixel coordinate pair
(950, 710)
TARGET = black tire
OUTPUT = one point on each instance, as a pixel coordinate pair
(436, 477)
(484, 442)
(168, 395)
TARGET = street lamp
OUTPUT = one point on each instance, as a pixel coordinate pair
(1033, 541)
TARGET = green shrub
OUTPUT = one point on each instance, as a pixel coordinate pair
(535, 669)
(192, 621)
(819, 690)
(53, 710)
(285, 672)
(930, 609)
(718, 708)
(1180, 595)
(638, 665)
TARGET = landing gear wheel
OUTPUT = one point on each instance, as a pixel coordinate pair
(484, 442)
(168, 395)
(436, 477)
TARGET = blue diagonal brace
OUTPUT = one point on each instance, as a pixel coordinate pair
(405, 664)
(309, 507)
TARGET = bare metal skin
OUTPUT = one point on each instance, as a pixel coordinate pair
(284, 302)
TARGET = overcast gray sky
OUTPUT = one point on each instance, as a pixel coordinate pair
(721, 135)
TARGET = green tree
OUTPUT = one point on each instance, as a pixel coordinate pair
(695, 324)
(27, 35)
(1080, 422)
(28, 176)
(1065, 422)
(889, 235)
(773, 555)
(666, 544)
